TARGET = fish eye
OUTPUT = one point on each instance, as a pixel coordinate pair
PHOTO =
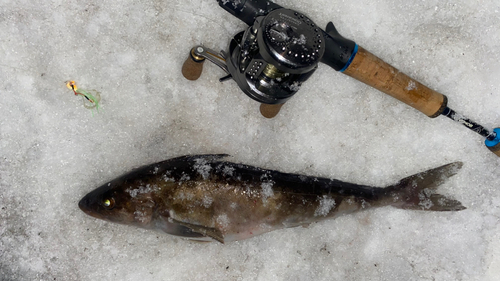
(108, 203)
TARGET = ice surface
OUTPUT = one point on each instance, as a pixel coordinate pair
(53, 151)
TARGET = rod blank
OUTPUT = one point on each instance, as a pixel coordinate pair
(469, 124)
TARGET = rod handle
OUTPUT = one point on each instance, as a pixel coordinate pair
(193, 66)
(376, 73)
(495, 149)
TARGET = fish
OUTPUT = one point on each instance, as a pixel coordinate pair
(207, 198)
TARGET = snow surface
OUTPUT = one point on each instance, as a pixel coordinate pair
(53, 150)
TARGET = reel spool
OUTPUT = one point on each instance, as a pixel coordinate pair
(281, 49)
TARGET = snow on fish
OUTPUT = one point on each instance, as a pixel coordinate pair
(203, 197)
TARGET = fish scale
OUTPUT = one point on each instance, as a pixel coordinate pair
(203, 197)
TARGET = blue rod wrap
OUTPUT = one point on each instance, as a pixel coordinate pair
(351, 58)
(492, 143)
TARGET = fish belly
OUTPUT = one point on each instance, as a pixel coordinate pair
(240, 211)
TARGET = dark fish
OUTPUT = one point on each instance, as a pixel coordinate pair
(205, 198)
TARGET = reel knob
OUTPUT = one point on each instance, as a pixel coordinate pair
(193, 66)
(270, 110)
(280, 33)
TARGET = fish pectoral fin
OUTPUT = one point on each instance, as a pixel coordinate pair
(203, 230)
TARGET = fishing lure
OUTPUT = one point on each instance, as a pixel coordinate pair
(89, 101)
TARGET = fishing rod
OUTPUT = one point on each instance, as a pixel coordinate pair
(281, 49)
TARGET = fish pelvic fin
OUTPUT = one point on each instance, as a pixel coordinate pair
(213, 233)
(417, 192)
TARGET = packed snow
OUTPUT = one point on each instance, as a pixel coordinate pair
(53, 150)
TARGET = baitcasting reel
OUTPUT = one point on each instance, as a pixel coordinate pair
(281, 49)
(278, 52)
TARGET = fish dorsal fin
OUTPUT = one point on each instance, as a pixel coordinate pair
(203, 230)
(207, 157)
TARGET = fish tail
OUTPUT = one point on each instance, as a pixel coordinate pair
(417, 192)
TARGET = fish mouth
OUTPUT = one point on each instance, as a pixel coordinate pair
(86, 204)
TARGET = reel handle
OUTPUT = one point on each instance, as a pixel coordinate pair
(193, 66)
(380, 75)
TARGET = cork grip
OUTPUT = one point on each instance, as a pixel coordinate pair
(192, 67)
(374, 72)
(495, 149)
